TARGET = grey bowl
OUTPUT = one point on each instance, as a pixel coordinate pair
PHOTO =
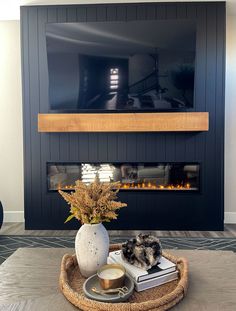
(93, 281)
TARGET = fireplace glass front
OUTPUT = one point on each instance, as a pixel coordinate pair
(132, 176)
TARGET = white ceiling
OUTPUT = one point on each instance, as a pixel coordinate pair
(10, 9)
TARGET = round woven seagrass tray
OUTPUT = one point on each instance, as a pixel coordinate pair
(158, 298)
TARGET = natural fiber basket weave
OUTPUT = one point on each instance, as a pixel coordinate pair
(158, 298)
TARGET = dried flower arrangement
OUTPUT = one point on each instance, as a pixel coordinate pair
(93, 203)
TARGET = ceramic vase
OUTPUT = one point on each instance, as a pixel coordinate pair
(92, 248)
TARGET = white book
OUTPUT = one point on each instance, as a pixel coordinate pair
(165, 266)
(160, 280)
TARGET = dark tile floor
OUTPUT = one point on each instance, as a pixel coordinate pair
(10, 243)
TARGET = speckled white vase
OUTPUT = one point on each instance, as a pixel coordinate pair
(92, 248)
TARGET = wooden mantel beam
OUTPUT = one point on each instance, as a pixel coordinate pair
(124, 122)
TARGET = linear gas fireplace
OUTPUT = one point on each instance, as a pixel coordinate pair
(132, 176)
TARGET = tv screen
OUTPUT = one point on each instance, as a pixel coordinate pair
(121, 66)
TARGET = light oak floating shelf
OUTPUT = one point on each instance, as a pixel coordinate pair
(124, 122)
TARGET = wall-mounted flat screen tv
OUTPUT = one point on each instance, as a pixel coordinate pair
(121, 66)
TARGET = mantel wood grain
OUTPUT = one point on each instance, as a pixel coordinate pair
(124, 122)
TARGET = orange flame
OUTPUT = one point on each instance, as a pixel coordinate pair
(140, 186)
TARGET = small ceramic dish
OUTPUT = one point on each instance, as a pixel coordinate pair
(93, 282)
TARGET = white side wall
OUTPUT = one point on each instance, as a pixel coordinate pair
(11, 140)
(11, 137)
(230, 120)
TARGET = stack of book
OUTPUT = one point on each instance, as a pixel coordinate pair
(164, 272)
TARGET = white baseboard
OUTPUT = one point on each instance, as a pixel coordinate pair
(230, 217)
(13, 216)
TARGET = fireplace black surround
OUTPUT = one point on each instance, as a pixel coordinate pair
(150, 210)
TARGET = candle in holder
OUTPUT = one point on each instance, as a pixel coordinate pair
(111, 276)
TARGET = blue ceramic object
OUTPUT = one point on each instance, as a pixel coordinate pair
(1, 214)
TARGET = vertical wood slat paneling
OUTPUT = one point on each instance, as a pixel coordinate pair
(73, 147)
(161, 11)
(91, 16)
(61, 15)
(220, 108)
(192, 11)
(200, 86)
(53, 139)
(92, 147)
(26, 112)
(131, 12)
(141, 151)
(210, 151)
(34, 104)
(151, 11)
(91, 13)
(73, 137)
(180, 147)
(151, 147)
(190, 141)
(171, 10)
(133, 146)
(81, 13)
(141, 11)
(52, 14)
(64, 146)
(102, 147)
(121, 147)
(189, 11)
(83, 152)
(101, 13)
(63, 137)
(71, 15)
(121, 13)
(112, 147)
(111, 13)
(170, 147)
(171, 13)
(179, 12)
(160, 141)
(42, 58)
(201, 53)
(44, 105)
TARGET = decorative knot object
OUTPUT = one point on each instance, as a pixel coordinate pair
(144, 251)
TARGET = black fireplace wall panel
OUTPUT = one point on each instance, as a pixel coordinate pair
(146, 210)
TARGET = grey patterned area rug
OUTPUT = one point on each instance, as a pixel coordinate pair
(9, 244)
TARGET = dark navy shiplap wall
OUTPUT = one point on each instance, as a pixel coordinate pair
(146, 210)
